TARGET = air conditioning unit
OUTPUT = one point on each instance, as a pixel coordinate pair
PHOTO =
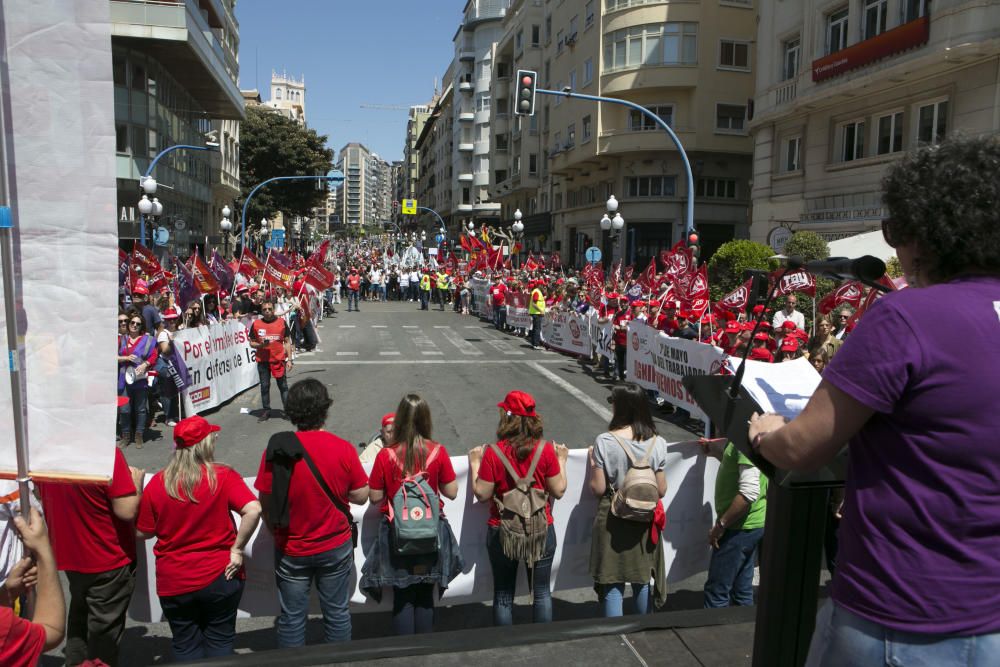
(570, 39)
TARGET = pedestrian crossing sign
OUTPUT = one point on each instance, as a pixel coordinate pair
(409, 207)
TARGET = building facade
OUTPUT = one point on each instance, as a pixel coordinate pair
(175, 73)
(844, 89)
(288, 96)
(411, 156)
(364, 199)
(435, 148)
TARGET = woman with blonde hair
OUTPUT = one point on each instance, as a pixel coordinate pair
(199, 552)
(823, 338)
(416, 464)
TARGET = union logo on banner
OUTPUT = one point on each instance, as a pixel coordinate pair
(797, 281)
(699, 287)
(737, 299)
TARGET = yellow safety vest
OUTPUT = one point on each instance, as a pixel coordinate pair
(537, 305)
(425, 283)
(442, 281)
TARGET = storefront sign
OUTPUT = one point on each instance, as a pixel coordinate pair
(857, 55)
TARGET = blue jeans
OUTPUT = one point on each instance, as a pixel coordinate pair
(612, 597)
(413, 609)
(730, 572)
(352, 297)
(505, 580)
(294, 575)
(137, 405)
(264, 375)
(203, 623)
(843, 638)
(425, 297)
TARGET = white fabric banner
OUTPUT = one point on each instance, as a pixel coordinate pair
(517, 311)
(61, 170)
(567, 331)
(659, 362)
(481, 291)
(602, 335)
(688, 503)
(220, 361)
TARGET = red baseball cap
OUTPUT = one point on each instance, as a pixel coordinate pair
(519, 403)
(140, 287)
(790, 344)
(191, 431)
(788, 324)
(760, 335)
(388, 418)
(759, 354)
(732, 326)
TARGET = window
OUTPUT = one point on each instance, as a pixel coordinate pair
(719, 188)
(640, 122)
(483, 103)
(650, 186)
(574, 23)
(836, 30)
(548, 29)
(548, 71)
(588, 13)
(874, 18)
(790, 156)
(277, 93)
(889, 134)
(791, 49)
(559, 98)
(535, 35)
(652, 44)
(932, 122)
(571, 135)
(572, 79)
(138, 77)
(532, 163)
(913, 9)
(587, 128)
(588, 71)
(557, 143)
(517, 165)
(730, 117)
(853, 141)
(559, 42)
(121, 137)
(734, 54)
(118, 69)
(519, 40)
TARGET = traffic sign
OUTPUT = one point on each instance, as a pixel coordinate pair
(277, 238)
(593, 254)
(161, 236)
(409, 207)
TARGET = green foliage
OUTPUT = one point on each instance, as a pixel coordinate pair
(273, 145)
(807, 245)
(894, 268)
(726, 267)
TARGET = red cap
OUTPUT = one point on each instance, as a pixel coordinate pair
(789, 344)
(140, 287)
(788, 324)
(709, 318)
(191, 431)
(732, 326)
(653, 303)
(759, 354)
(638, 303)
(171, 313)
(760, 335)
(519, 403)
(747, 326)
(388, 418)
(758, 309)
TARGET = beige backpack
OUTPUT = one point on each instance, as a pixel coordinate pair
(636, 498)
(523, 525)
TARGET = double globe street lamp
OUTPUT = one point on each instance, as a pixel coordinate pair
(226, 225)
(615, 224)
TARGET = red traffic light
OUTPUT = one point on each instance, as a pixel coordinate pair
(527, 80)
(693, 238)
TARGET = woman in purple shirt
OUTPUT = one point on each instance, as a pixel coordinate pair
(915, 391)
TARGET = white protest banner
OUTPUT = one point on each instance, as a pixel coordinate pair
(483, 306)
(567, 331)
(517, 311)
(602, 336)
(659, 362)
(220, 361)
(59, 167)
(688, 504)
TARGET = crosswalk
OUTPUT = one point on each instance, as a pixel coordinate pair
(431, 342)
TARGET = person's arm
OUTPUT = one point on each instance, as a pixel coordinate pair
(736, 511)
(265, 503)
(50, 607)
(482, 489)
(249, 518)
(449, 489)
(598, 480)
(811, 440)
(127, 507)
(556, 485)
(362, 495)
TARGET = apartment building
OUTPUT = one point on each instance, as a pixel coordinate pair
(844, 89)
(175, 73)
(365, 196)
(419, 114)
(435, 146)
(689, 63)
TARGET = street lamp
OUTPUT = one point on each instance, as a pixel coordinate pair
(225, 225)
(613, 225)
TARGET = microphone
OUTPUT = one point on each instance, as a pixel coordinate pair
(866, 268)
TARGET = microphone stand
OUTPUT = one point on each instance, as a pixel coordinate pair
(734, 387)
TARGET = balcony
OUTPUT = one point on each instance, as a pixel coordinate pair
(466, 55)
(465, 86)
(467, 116)
(649, 77)
(481, 178)
(624, 141)
(465, 177)
(176, 34)
(465, 147)
(785, 93)
(901, 38)
(486, 207)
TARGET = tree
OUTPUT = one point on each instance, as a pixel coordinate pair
(726, 267)
(807, 245)
(273, 145)
(893, 267)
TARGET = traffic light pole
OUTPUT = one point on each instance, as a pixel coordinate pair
(246, 203)
(689, 221)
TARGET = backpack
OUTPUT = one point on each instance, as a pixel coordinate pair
(523, 524)
(637, 496)
(415, 511)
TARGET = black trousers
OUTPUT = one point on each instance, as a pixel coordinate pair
(620, 361)
(203, 623)
(264, 373)
(97, 606)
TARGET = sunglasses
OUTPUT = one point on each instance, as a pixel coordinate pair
(121, 322)
(888, 234)
(136, 323)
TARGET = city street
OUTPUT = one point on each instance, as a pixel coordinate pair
(461, 365)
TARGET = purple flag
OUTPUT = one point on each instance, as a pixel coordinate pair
(186, 289)
(220, 269)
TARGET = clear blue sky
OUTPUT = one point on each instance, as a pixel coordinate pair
(351, 53)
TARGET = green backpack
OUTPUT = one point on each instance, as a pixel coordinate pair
(415, 511)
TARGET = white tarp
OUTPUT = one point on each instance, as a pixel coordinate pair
(62, 172)
(659, 362)
(688, 504)
(220, 361)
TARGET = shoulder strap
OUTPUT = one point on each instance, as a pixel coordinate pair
(626, 449)
(534, 460)
(326, 489)
(506, 462)
(427, 464)
(644, 461)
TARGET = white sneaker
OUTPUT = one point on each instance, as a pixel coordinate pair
(171, 423)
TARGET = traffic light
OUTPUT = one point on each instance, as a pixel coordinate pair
(694, 244)
(526, 82)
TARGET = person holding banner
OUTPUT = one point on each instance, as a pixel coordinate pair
(188, 508)
(913, 391)
(625, 551)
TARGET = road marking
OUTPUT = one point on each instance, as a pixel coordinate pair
(378, 326)
(403, 362)
(424, 344)
(429, 353)
(514, 353)
(410, 326)
(441, 326)
(346, 326)
(464, 346)
(339, 354)
(389, 354)
(595, 406)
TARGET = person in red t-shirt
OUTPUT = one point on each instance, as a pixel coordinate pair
(759, 351)
(412, 578)
(272, 340)
(22, 641)
(498, 295)
(93, 538)
(188, 508)
(619, 326)
(353, 289)
(519, 434)
(312, 533)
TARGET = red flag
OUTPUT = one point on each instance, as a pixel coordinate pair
(250, 265)
(317, 276)
(203, 278)
(665, 258)
(530, 264)
(463, 240)
(319, 256)
(277, 273)
(680, 261)
(616, 272)
(629, 271)
(555, 261)
(737, 299)
(157, 281)
(146, 260)
(648, 277)
(795, 281)
(697, 288)
(849, 293)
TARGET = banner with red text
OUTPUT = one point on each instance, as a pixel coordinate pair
(567, 331)
(220, 361)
